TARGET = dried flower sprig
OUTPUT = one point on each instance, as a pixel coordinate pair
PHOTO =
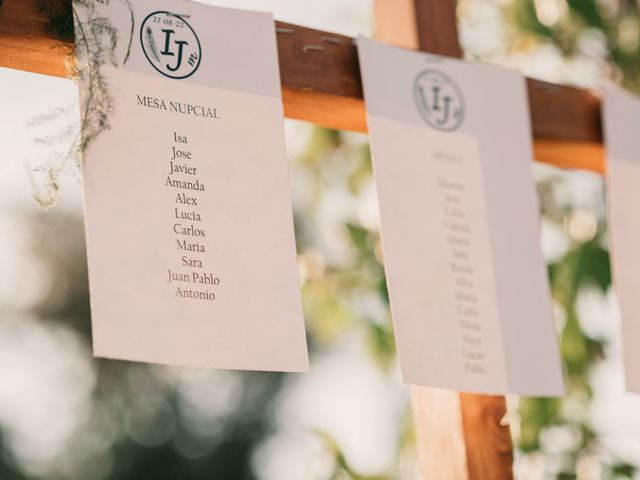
(96, 45)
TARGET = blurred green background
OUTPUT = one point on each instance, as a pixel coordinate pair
(65, 415)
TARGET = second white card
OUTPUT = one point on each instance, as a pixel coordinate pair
(467, 282)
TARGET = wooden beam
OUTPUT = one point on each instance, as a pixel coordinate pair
(436, 23)
(570, 155)
(565, 114)
(461, 436)
(389, 15)
(321, 78)
(486, 437)
(26, 43)
(439, 433)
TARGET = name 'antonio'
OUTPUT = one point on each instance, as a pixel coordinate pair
(177, 107)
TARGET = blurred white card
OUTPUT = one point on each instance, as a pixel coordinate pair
(467, 282)
(190, 240)
(621, 118)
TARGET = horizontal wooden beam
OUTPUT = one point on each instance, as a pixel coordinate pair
(321, 84)
(27, 44)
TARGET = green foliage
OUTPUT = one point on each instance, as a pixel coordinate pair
(612, 28)
(342, 469)
(615, 25)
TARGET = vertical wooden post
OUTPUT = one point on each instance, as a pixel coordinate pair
(460, 436)
(437, 27)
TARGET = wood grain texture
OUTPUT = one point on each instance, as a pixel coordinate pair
(570, 155)
(321, 79)
(389, 16)
(564, 113)
(439, 433)
(437, 27)
(317, 61)
(25, 42)
(487, 438)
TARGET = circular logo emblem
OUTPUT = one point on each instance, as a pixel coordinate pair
(438, 100)
(170, 45)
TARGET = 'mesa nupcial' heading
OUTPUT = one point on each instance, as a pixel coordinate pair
(177, 107)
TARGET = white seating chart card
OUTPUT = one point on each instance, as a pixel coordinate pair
(621, 115)
(469, 294)
(189, 223)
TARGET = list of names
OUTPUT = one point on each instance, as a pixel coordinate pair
(456, 199)
(192, 278)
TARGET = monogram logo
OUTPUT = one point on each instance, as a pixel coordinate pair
(170, 45)
(439, 100)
